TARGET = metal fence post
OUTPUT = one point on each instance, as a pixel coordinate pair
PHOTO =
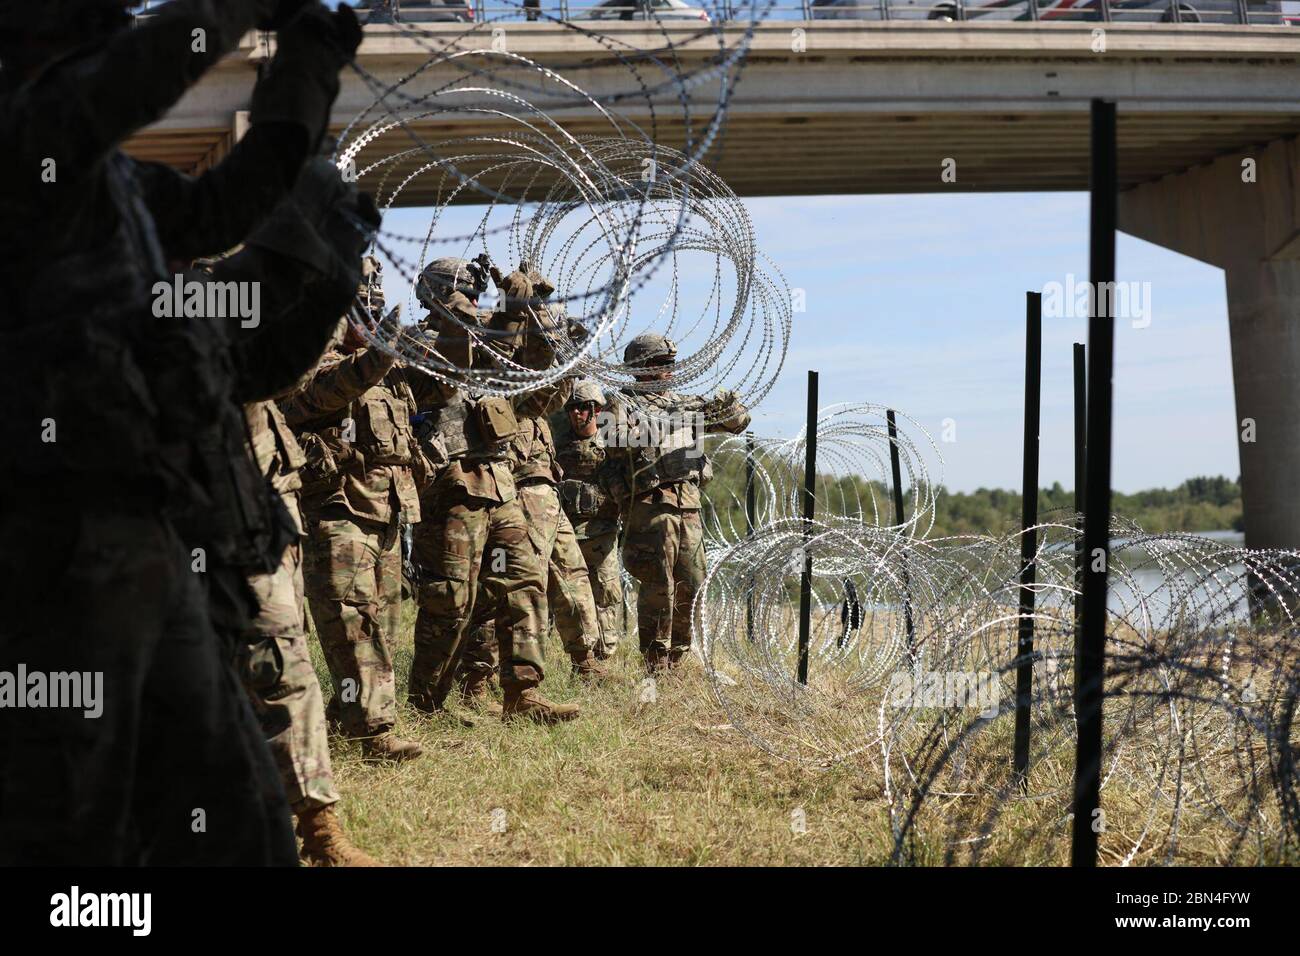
(900, 516)
(1028, 538)
(809, 498)
(750, 508)
(1090, 655)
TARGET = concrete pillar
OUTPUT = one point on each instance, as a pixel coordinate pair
(1245, 219)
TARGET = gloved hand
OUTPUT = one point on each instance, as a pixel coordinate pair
(324, 223)
(301, 82)
(516, 293)
(542, 286)
(276, 13)
(389, 330)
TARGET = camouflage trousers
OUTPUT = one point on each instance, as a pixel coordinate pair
(292, 710)
(664, 551)
(173, 769)
(601, 556)
(353, 573)
(461, 543)
(568, 590)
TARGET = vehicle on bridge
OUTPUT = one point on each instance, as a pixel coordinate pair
(641, 10)
(413, 11)
(1121, 11)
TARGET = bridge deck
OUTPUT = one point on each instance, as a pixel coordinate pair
(866, 107)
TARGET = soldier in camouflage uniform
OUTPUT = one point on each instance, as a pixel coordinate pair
(592, 510)
(148, 457)
(353, 417)
(555, 546)
(474, 531)
(662, 467)
(289, 705)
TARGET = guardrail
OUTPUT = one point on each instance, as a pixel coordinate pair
(418, 12)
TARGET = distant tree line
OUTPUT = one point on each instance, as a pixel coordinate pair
(1198, 504)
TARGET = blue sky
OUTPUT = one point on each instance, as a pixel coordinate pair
(918, 302)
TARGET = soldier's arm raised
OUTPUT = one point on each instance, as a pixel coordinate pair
(336, 385)
(304, 262)
(100, 99)
(208, 214)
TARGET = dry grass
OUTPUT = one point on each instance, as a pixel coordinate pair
(670, 783)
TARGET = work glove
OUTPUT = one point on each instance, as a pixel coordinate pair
(300, 83)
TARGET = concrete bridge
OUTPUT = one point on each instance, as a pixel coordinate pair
(831, 107)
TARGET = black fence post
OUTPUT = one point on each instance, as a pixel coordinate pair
(809, 497)
(1080, 474)
(900, 516)
(1028, 537)
(749, 527)
(1091, 652)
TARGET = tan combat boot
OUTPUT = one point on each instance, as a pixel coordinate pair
(476, 694)
(529, 702)
(324, 842)
(591, 669)
(389, 746)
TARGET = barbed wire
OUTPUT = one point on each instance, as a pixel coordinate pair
(579, 183)
(913, 652)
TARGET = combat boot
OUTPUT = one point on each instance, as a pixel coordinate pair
(528, 702)
(325, 844)
(476, 694)
(676, 656)
(389, 746)
(656, 660)
(591, 669)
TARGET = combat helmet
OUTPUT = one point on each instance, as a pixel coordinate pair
(442, 277)
(584, 391)
(650, 348)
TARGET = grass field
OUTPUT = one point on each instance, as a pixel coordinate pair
(669, 782)
(628, 783)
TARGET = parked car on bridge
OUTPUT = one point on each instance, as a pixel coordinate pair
(641, 10)
(414, 11)
(1122, 11)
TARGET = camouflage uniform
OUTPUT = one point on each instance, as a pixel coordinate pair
(353, 419)
(593, 513)
(660, 476)
(472, 510)
(554, 544)
(291, 709)
(148, 456)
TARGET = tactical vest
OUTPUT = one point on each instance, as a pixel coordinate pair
(665, 445)
(467, 429)
(580, 492)
(375, 429)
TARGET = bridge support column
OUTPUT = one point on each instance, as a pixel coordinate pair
(1244, 217)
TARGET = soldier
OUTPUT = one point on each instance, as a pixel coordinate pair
(662, 467)
(474, 530)
(119, 438)
(555, 547)
(288, 703)
(354, 419)
(592, 510)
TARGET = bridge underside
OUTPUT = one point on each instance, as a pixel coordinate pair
(766, 155)
(865, 108)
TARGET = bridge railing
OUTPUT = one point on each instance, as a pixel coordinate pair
(1256, 12)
